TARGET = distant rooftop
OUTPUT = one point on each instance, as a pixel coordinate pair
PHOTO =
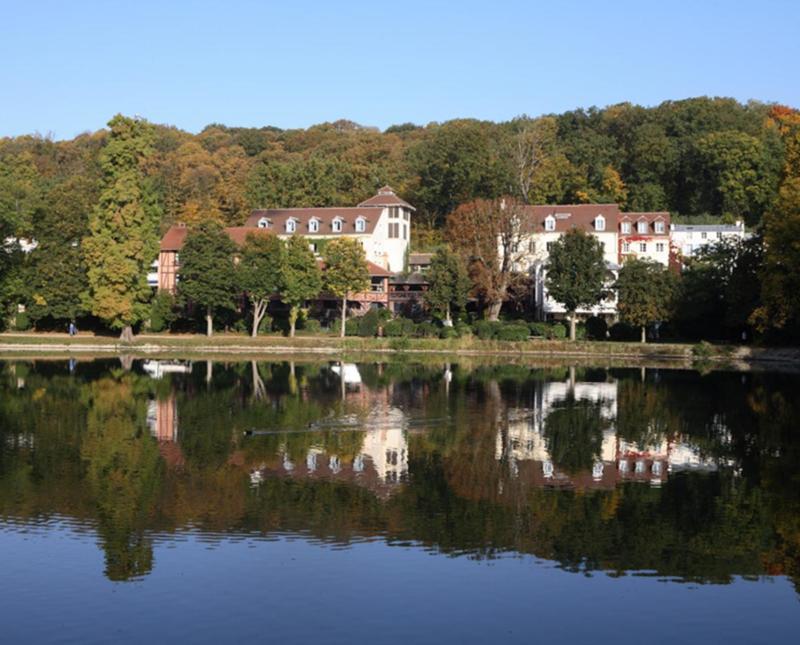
(710, 228)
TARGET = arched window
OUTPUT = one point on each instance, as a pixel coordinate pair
(263, 223)
(549, 223)
(599, 223)
(313, 225)
(336, 225)
(361, 225)
(290, 225)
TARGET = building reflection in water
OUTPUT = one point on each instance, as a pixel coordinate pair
(521, 443)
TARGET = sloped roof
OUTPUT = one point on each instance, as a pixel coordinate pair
(568, 216)
(386, 197)
(278, 217)
(175, 237)
(419, 258)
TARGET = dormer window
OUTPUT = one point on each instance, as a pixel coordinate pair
(291, 225)
(263, 223)
(641, 227)
(549, 223)
(626, 228)
(361, 225)
(659, 226)
(313, 225)
(599, 223)
(336, 225)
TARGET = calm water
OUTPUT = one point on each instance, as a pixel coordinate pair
(386, 503)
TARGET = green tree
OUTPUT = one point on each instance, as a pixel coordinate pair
(58, 278)
(346, 271)
(780, 275)
(123, 229)
(449, 284)
(208, 276)
(576, 273)
(646, 293)
(262, 272)
(302, 277)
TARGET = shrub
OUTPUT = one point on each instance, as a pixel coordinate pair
(426, 330)
(448, 332)
(22, 322)
(265, 326)
(162, 312)
(399, 327)
(241, 326)
(312, 326)
(515, 332)
(350, 330)
(463, 329)
(551, 331)
(484, 329)
(580, 331)
(596, 328)
(368, 324)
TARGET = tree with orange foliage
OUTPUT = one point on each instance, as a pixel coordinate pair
(486, 234)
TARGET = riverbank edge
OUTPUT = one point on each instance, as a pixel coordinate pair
(156, 344)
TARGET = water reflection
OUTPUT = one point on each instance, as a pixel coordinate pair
(693, 477)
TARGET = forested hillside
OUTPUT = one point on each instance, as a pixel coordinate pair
(694, 157)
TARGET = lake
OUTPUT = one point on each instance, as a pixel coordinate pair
(397, 502)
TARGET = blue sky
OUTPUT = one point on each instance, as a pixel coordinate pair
(67, 67)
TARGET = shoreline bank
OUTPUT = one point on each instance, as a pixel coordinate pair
(315, 346)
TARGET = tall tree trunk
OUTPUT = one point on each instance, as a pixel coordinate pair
(258, 315)
(572, 318)
(494, 309)
(209, 322)
(292, 320)
(447, 321)
(644, 334)
(344, 314)
(127, 334)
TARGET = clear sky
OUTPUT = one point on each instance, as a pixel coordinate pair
(68, 66)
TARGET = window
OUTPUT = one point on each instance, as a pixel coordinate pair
(290, 225)
(626, 228)
(703, 235)
(659, 247)
(550, 223)
(643, 247)
(641, 227)
(626, 247)
(336, 225)
(599, 223)
(719, 236)
(361, 224)
(394, 230)
(405, 232)
(313, 247)
(550, 246)
(394, 212)
(313, 225)
(659, 226)
(406, 215)
(263, 223)
(532, 246)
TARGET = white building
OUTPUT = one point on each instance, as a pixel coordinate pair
(544, 225)
(381, 223)
(688, 239)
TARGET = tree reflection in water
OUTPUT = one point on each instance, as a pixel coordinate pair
(689, 476)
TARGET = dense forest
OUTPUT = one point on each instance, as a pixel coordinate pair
(701, 158)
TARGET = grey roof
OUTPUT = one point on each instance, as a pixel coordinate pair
(720, 228)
